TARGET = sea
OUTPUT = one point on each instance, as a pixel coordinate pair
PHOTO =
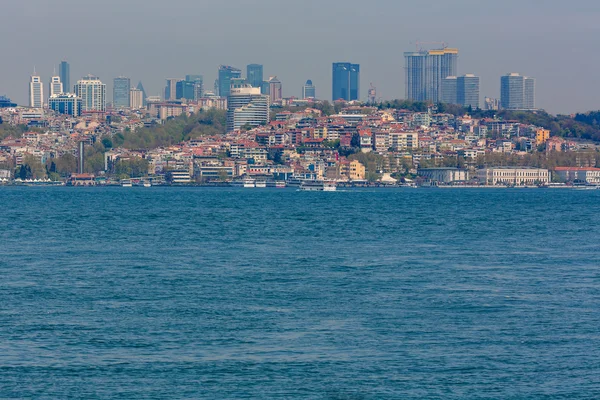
(232, 293)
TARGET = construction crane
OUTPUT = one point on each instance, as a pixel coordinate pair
(419, 43)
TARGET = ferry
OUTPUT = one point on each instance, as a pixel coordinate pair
(249, 183)
(260, 183)
(126, 183)
(276, 184)
(318, 186)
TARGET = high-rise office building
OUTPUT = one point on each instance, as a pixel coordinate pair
(64, 71)
(463, 90)
(140, 87)
(191, 88)
(136, 98)
(467, 91)
(529, 93)
(66, 103)
(246, 106)
(517, 92)
(275, 89)
(171, 89)
(226, 73)
(425, 71)
(345, 81)
(55, 87)
(36, 92)
(121, 95)
(308, 90)
(450, 90)
(92, 92)
(254, 75)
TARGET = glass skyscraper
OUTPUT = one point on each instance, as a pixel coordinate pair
(254, 75)
(121, 88)
(449, 90)
(246, 106)
(425, 71)
(467, 91)
(64, 71)
(226, 73)
(308, 90)
(529, 93)
(517, 92)
(345, 81)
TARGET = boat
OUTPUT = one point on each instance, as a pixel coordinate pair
(260, 183)
(318, 186)
(249, 183)
(147, 184)
(126, 183)
(276, 184)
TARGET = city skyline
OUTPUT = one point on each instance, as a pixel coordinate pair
(561, 85)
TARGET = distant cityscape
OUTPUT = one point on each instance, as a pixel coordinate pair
(243, 128)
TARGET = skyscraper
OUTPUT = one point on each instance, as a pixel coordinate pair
(55, 86)
(192, 88)
(345, 81)
(450, 90)
(136, 98)
(171, 89)
(254, 75)
(226, 73)
(140, 87)
(308, 90)
(275, 89)
(92, 92)
(246, 106)
(425, 71)
(64, 71)
(467, 91)
(121, 88)
(529, 93)
(517, 92)
(36, 92)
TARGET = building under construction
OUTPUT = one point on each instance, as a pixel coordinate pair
(425, 71)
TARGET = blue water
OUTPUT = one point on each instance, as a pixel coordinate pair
(236, 293)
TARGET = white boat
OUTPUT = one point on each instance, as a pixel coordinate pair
(276, 184)
(318, 186)
(249, 183)
(126, 183)
(260, 183)
(147, 184)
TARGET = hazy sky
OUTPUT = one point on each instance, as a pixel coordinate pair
(555, 41)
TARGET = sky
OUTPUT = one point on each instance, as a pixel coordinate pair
(554, 41)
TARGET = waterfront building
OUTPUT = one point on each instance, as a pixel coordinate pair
(308, 90)
(226, 73)
(467, 91)
(345, 81)
(275, 89)
(64, 71)
(246, 106)
(121, 92)
(586, 175)
(254, 75)
(444, 175)
(36, 92)
(357, 171)
(55, 86)
(136, 98)
(93, 93)
(171, 89)
(425, 71)
(513, 176)
(66, 103)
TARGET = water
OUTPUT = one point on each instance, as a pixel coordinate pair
(238, 293)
